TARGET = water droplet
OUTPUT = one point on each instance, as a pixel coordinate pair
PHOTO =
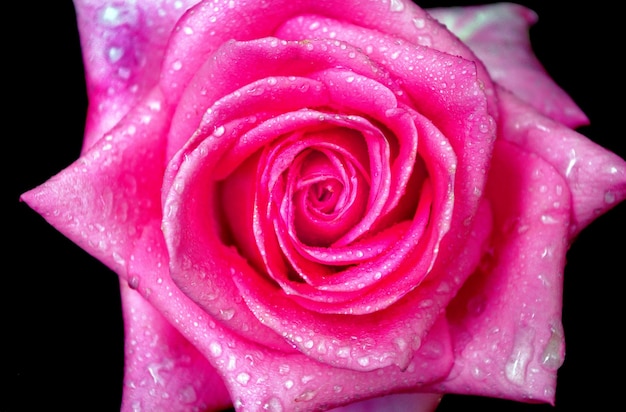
(219, 131)
(396, 5)
(343, 352)
(305, 396)
(572, 162)
(307, 378)
(552, 356)
(419, 23)
(115, 54)
(133, 282)
(232, 363)
(426, 303)
(118, 258)
(289, 384)
(478, 373)
(227, 314)
(548, 220)
(187, 394)
(215, 348)
(273, 405)
(243, 378)
(515, 368)
(609, 197)
(177, 65)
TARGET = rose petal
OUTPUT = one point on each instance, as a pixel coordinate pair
(406, 402)
(123, 46)
(102, 201)
(258, 375)
(200, 263)
(400, 329)
(498, 34)
(432, 80)
(212, 26)
(506, 320)
(595, 176)
(163, 371)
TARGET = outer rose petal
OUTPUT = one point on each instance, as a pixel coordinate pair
(498, 34)
(123, 45)
(506, 320)
(213, 26)
(163, 371)
(102, 201)
(596, 176)
(410, 402)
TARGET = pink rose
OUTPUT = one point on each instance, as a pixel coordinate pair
(346, 201)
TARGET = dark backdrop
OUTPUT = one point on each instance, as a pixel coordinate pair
(62, 335)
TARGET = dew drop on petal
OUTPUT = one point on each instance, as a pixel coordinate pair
(215, 348)
(133, 282)
(273, 405)
(396, 5)
(243, 378)
(219, 131)
(419, 23)
(305, 396)
(552, 357)
(187, 395)
(516, 365)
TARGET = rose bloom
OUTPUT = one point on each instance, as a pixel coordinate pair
(317, 204)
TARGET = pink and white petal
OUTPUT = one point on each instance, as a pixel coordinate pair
(105, 198)
(506, 320)
(405, 402)
(595, 176)
(123, 45)
(163, 370)
(498, 34)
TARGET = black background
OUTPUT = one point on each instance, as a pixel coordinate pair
(62, 331)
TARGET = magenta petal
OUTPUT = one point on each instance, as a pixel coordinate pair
(207, 27)
(103, 200)
(123, 46)
(498, 34)
(257, 375)
(595, 176)
(506, 320)
(164, 371)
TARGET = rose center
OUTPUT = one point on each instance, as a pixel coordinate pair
(323, 196)
(327, 194)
